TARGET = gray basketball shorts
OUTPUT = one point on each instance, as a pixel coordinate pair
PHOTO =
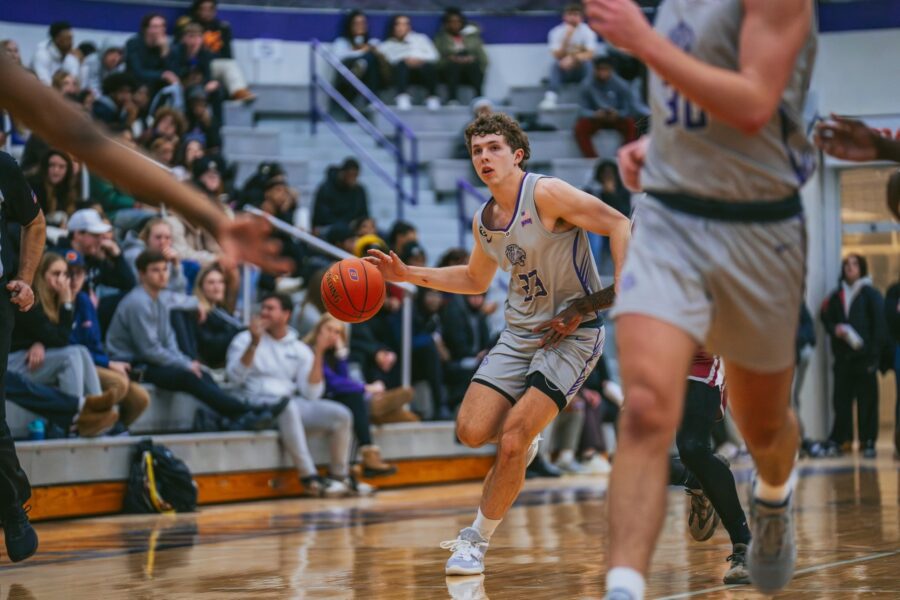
(735, 287)
(518, 355)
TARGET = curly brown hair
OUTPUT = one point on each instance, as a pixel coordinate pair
(504, 125)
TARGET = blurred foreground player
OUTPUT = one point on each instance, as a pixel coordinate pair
(18, 204)
(718, 259)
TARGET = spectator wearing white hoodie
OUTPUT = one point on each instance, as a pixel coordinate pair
(55, 53)
(413, 59)
(269, 362)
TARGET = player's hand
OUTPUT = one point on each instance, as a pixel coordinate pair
(631, 160)
(559, 327)
(246, 239)
(620, 23)
(20, 294)
(391, 267)
(847, 139)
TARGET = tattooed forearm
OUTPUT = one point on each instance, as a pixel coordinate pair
(601, 300)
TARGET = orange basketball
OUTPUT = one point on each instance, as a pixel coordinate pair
(353, 290)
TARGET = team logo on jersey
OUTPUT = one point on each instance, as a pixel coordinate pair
(526, 218)
(515, 255)
(682, 36)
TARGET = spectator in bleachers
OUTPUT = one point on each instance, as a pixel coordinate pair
(463, 60)
(12, 50)
(853, 316)
(42, 352)
(116, 106)
(54, 186)
(157, 235)
(65, 83)
(84, 50)
(191, 61)
(59, 408)
(413, 59)
(480, 106)
(340, 387)
(55, 53)
(356, 50)
(342, 236)
(162, 150)
(572, 44)
(217, 40)
(606, 102)
(467, 337)
(141, 334)
(364, 226)
(131, 398)
(201, 119)
(141, 100)
(189, 150)
(105, 264)
(112, 199)
(100, 65)
(340, 198)
(168, 123)
(401, 234)
(217, 295)
(607, 185)
(147, 54)
(269, 362)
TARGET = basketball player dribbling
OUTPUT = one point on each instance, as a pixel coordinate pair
(718, 258)
(535, 228)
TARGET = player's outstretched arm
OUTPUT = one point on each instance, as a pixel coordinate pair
(473, 278)
(56, 120)
(559, 200)
(850, 139)
(771, 37)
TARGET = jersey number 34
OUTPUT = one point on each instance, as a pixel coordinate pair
(532, 286)
(682, 111)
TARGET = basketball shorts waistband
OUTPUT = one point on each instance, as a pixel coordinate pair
(753, 211)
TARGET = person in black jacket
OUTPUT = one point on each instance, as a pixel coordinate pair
(41, 351)
(147, 54)
(853, 316)
(892, 316)
(467, 337)
(340, 198)
(218, 296)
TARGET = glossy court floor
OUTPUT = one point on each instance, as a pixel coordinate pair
(550, 546)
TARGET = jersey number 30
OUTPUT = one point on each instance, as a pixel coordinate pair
(682, 111)
(532, 285)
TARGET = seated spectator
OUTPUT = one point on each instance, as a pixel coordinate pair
(191, 61)
(112, 199)
(157, 235)
(401, 234)
(189, 150)
(162, 150)
(59, 408)
(269, 362)
(463, 59)
(100, 65)
(103, 258)
(141, 100)
(342, 236)
(168, 123)
(147, 54)
(853, 316)
(480, 106)
(467, 337)
(55, 53)
(85, 99)
(141, 334)
(201, 119)
(42, 353)
(217, 40)
(65, 83)
(607, 185)
(606, 102)
(217, 296)
(356, 49)
(572, 44)
(208, 177)
(116, 107)
(131, 398)
(413, 59)
(364, 226)
(55, 186)
(340, 198)
(12, 50)
(340, 387)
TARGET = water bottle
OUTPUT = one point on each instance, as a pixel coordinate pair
(36, 430)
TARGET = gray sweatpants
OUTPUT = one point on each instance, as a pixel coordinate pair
(69, 369)
(302, 415)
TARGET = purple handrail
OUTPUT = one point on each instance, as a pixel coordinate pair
(463, 187)
(404, 139)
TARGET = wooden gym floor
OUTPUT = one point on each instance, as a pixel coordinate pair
(550, 546)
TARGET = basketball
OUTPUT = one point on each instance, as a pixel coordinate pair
(353, 290)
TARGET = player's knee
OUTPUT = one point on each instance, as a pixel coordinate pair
(646, 413)
(471, 434)
(514, 441)
(692, 450)
(764, 433)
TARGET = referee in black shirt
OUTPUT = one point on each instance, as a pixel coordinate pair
(17, 205)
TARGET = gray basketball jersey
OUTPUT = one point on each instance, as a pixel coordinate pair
(547, 270)
(691, 152)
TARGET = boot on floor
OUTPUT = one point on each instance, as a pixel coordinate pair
(373, 465)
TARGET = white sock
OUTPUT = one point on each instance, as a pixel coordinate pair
(485, 526)
(626, 578)
(774, 494)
